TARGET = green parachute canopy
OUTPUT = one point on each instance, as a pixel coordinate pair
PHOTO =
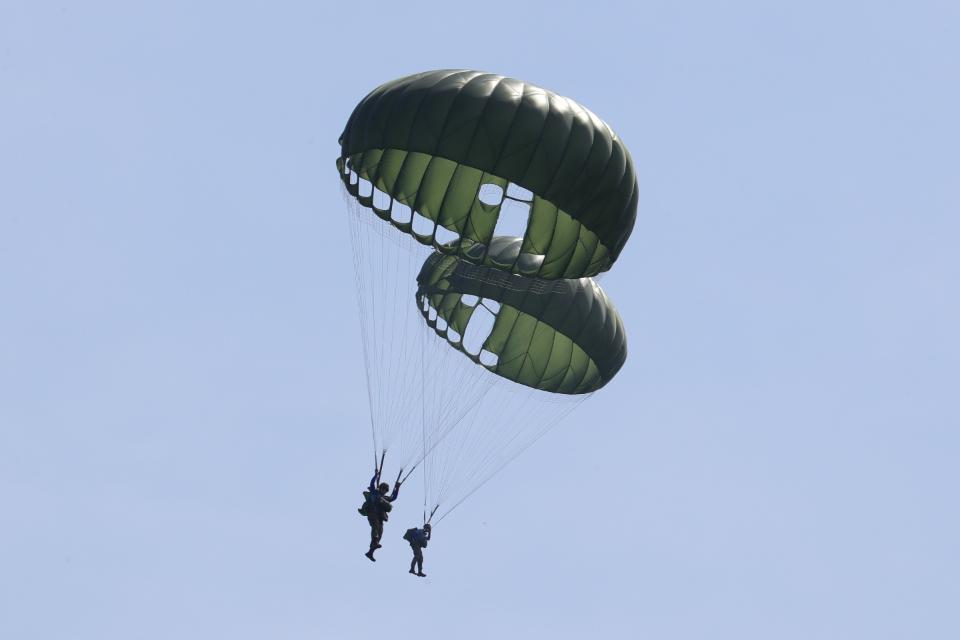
(562, 336)
(457, 157)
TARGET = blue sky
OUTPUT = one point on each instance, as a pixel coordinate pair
(183, 426)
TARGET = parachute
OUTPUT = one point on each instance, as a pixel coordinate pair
(456, 158)
(479, 206)
(562, 336)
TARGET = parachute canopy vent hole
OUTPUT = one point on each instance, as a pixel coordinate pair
(478, 330)
(513, 219)
(492, 305)
(422, 225)
(380, 200)
(490, 194)
(488, 358)
(517, 192)
(444, 235)
(469, 300)
(400, 212)
(366, 188)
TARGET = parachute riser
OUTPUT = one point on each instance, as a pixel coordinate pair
(380, 466)
(407, 475)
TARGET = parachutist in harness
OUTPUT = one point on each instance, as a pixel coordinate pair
(418, 539)
(376, 506)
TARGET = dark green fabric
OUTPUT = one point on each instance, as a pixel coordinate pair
(431, 140)
(563, 336)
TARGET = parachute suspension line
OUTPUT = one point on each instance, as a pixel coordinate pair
(386, 262)
(491, 464)
(453, 387)
(407, 334)
(423, 423)
(465, 452)
(388, 363)
(361, 297)
(378, 307)
(452, 376)
(367, 293)
(453, 457)
(503, 463)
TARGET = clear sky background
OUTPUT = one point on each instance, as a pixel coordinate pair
(183, 421)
